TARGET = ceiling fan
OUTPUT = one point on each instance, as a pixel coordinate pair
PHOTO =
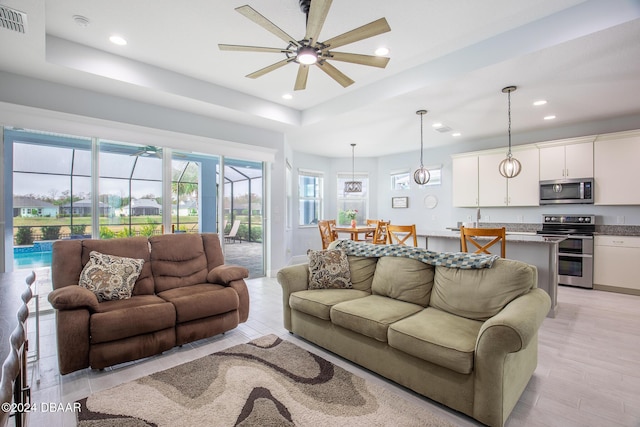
(149, 151)
(309, 51)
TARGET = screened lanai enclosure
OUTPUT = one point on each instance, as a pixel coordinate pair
(70, 187)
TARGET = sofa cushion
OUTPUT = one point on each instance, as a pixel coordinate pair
(178, 260)
(438, 337)
(482, 293)
(137, 315)
(130, 247)
(362, 270)
(318, 302)
(110, 277)
(200, 301)
(403, 279)
(329, 269)
(371, 315)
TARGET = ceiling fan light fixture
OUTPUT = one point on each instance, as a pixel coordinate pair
(307, 55)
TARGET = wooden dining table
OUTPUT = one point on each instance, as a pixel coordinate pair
(354, 232)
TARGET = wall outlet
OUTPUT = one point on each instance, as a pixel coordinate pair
(520, 218)
(620, 219)
(469, 218)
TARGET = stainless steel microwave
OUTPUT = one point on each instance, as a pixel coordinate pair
(563, 191)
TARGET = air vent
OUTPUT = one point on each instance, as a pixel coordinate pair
(13, 20)
(443, 129)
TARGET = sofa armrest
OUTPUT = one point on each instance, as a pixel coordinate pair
(507, 355)
(515, 326)
(73, 297)
(225, 274)
(292, 279)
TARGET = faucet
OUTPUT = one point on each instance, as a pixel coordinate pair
(478, 216)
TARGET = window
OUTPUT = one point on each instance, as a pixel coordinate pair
(400, 180)
(353, 201)
(309, 197)
(130, 190)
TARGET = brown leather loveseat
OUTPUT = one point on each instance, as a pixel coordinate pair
(184, 293)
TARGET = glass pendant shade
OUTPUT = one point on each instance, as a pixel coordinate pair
(421, 176)
(307, 55)
(353, 186)
(509, 167)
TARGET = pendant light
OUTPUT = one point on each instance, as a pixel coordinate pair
(353, 186)
(421, 176)
(509, 167)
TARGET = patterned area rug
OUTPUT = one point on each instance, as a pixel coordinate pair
(266, 382)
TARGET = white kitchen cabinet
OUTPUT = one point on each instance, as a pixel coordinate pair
(566, 160)
(614, 260)
(496, 190)
(616, 169)
(465, 181)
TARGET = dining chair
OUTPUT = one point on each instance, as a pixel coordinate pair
(371, 223)
(327, 232)
(400, 234)
(470, 234)
(380, 236)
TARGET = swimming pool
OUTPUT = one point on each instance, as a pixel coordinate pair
(38, 255)
(31, 259)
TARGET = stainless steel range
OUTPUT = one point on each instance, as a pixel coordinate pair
(575, 257)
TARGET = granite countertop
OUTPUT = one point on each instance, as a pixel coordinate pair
(532, 228)
(512, 236)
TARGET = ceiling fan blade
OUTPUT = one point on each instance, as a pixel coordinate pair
(354, 58)
(301, 79)
(256, 17)
(335, 74)
(239, 48)
(317, 14)
(369, 30)
(268, 69)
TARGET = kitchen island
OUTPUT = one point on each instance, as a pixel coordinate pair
(540, 251)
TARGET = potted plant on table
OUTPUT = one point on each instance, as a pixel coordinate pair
(351, 215)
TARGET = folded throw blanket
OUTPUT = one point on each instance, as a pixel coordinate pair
(462, 260)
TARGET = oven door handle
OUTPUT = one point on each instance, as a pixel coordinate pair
(575, 255)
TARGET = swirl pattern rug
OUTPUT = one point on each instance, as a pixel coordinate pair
(266, 382)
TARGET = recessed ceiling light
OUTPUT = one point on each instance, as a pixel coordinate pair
(382, 51)
(287, 96)
(540, 102)
(456, 134)
(120, 41)
(549, 117)
(436, 125)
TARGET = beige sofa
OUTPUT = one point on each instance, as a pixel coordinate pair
(466, 338)
(183, 293)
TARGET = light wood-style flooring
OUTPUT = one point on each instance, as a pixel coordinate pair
(588, 371)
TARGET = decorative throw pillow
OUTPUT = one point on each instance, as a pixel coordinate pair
(110, 277)
(329, 269)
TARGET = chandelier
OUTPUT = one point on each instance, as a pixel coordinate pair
(353, 186)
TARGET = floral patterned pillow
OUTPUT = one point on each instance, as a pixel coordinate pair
(329, 269)
(110, 277)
